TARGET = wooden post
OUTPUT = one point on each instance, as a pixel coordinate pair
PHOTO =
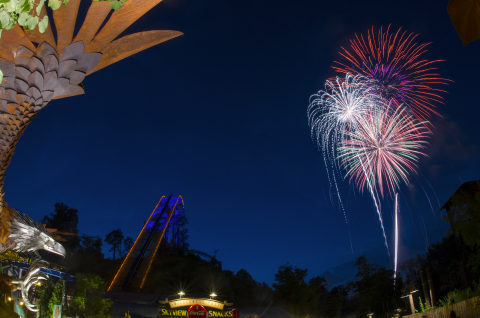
(425, 287)
(412, 305)
(430, 284)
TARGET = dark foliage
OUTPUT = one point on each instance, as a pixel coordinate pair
(63, 218)
(115, 239)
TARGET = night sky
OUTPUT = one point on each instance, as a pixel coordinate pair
(218, 116)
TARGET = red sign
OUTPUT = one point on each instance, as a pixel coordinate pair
(197, 311)
(235, 313)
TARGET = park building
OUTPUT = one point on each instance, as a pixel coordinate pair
(139, 305)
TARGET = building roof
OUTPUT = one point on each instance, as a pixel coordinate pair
(467, 189)
(137, 310)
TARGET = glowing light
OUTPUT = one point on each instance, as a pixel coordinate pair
(132, 248)
(396, 235)
(181, 293)
(213, 295)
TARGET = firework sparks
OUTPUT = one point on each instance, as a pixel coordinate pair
(338, 108)
(383, 148)
(394, 68)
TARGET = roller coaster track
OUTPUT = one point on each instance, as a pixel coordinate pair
(134, 269)
(207, 256)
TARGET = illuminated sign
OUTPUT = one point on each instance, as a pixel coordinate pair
(189, 302)
(163, 312)
(180, 307)
(197, 311)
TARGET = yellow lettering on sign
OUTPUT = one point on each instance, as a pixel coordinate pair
(187, 302)
(183, 313)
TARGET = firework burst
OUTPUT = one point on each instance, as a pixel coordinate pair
(383, 149)
(337, 109)
(394, 67)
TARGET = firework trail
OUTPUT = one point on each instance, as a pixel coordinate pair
(336, 109)
(396, 234)
(394, 67)
(381, 151)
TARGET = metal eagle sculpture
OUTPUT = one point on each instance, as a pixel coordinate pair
(41, 67)
(20, 233)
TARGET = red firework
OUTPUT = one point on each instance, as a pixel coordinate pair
(393, 66)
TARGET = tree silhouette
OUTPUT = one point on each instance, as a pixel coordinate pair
(127, 244)
(115, 239)
(63, 218)
(292, 291)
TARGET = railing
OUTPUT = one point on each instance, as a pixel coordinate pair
(469, 308)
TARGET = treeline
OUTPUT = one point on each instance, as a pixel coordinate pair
(376, 290)
(84, 252)
(453, 263)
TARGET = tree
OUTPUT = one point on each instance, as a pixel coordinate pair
(336, 301)
(91, 244)
(88, 258)
(88, 300)
(319, 285)
(127, 244)
(292, 291)
(183, 231)
(51, 295)
(115, 239)
(63, 218)
(246, 277)
(465, 211)
(377, 290)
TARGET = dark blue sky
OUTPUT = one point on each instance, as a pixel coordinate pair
(218, 115)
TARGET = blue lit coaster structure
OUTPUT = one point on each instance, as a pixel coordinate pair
(134, 269)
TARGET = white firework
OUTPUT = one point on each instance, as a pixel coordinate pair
(337, 109)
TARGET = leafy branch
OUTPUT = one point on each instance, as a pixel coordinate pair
(27, 12)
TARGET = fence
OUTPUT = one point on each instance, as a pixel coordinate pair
(469, 308)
